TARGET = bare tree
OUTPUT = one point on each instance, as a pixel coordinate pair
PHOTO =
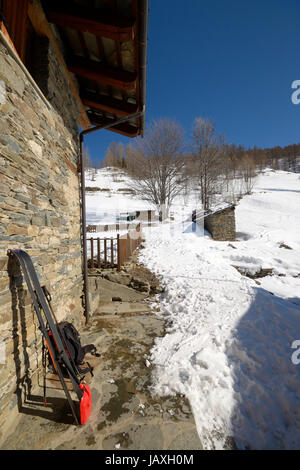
(130, 158)
(248, 172)
(207, 164)
(86, 158)
(157, 164)
(88, 165)
(115, 155)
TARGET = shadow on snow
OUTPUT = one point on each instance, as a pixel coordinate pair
(266, 381)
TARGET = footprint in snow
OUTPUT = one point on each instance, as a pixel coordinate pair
(184, 376)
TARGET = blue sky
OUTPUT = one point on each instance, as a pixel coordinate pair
(228, 60)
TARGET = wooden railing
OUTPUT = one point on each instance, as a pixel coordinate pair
(110, 227)
(115, 251)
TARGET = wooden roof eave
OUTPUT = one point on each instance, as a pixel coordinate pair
(118, 29)
(91, 21)
(125, 128)
(102, 73)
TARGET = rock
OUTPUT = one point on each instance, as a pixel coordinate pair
(157, 289)
(16, 230)
(143, 279)
(258, 274)
(123, 279)
(283, 245)
(140, 286)
(232, 246)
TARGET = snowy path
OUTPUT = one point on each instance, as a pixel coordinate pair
(228, 347)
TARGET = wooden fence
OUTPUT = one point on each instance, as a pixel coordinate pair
(113, 252)
(110, 227)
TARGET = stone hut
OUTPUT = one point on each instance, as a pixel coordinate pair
(221, 224)
(66, 69)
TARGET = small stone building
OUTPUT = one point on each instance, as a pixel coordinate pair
(221, 224)
(65, 67)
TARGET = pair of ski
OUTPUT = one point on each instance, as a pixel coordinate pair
(56, 348)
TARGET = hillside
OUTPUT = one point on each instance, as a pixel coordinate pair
(230, 332)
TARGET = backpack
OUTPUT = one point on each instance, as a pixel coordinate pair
(71, 341)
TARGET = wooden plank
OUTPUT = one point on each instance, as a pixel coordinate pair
(108, 104)
(5, 33)
(92, 252)
(112, 252)
(98, 253)
(118, 253)
(15, 13)
(41, 26)
(105, 251)
(123, 129)
(93, 21)
(102, 73)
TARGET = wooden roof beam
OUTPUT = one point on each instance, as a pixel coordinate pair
(108, 104)
(124, 129)
(91, 20)
(102, 73)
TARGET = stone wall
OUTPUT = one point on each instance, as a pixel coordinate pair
(46, 70)
(39, 212)
(221, 224)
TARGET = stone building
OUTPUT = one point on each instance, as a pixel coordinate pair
(66, 69)
(221, 224)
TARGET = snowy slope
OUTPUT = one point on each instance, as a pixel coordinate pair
(228, 348)
(103, 206)
(228, 343)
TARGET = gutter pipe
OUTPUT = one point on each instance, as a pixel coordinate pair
(143, 41)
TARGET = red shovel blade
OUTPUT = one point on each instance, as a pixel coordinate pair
(85, 403)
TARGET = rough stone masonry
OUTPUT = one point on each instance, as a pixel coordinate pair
(221, 224)
(39, 212)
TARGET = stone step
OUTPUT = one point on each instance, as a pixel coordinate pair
(118, 308)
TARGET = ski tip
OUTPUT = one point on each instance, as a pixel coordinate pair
(14, 251)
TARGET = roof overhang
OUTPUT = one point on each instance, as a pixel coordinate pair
(105, 48)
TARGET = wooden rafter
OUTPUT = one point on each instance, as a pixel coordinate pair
(136, 55)
(102, 73)
(108, 104)
(123, 129)
(92, 21)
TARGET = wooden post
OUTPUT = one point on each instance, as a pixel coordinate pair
(105, 251)
(98, 253)
(92, 252)
(118, 252)
(112, 252)
(129, 244)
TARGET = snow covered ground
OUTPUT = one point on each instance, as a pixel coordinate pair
(113, 199)
(228, 346)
